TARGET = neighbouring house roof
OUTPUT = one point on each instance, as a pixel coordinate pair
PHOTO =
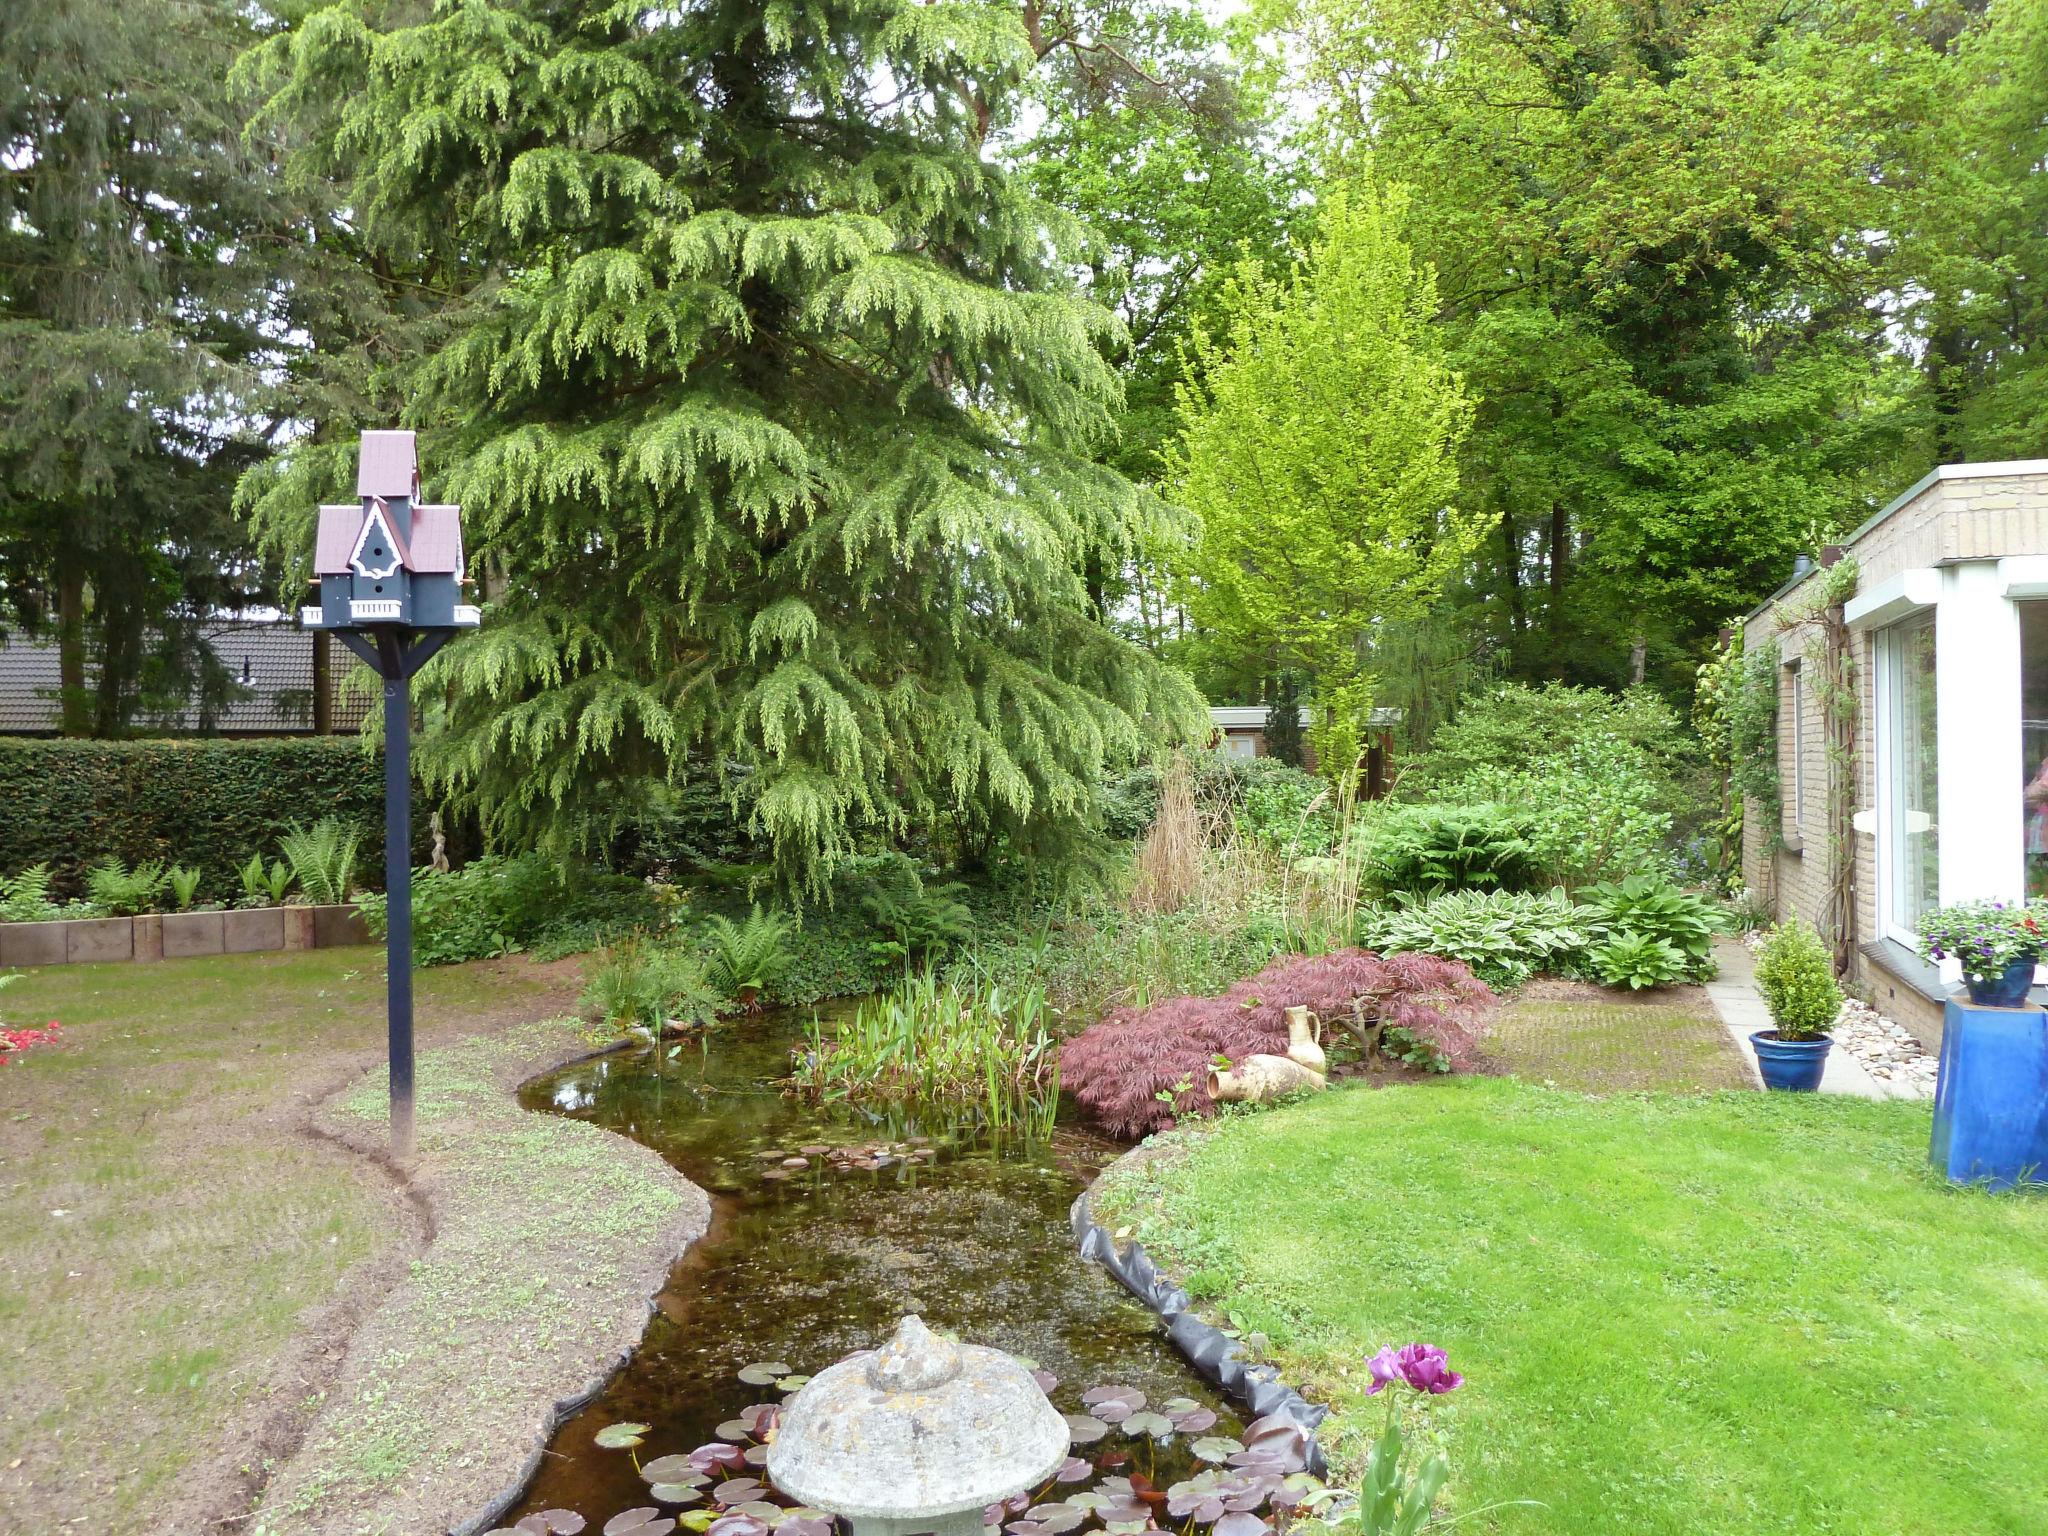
(435, 547)
(389, 466)
(1989, 469)
(274, 660)
(1252, 717)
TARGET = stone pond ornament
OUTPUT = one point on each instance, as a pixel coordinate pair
(920, 1436)
(1258, 1078)
(388, 570)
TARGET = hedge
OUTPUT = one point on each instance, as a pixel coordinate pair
(203, 803)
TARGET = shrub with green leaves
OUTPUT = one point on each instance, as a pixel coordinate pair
(120, 891)
(1430, 849)
(1649, 906)
(496, 905)
(918, 920)
(640, 985)
(1636, 961)
(1593, 811)
(1290, 813)
(25, 897)
(184, 886)
(1503, 937)
(265, 887)
(1796, 975)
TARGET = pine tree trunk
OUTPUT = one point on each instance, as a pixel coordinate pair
(75, 704)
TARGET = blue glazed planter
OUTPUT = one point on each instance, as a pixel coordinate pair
(2006, 991)
(1789, 1066)
(1991, 1098)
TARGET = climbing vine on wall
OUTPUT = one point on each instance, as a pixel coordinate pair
(1819, 603)
(1736, 713)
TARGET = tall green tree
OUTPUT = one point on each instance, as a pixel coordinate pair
(769, 403)
(1660, 238)
(1319, 443)
(133, 304)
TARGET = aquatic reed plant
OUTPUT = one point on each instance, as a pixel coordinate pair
(931, 1041)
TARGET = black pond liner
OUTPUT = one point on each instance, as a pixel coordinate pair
(1214, 1354)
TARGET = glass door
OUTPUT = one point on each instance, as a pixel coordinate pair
(1912, 851)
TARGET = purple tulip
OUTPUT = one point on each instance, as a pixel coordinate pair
(1423, 1366)
(1385, 1369)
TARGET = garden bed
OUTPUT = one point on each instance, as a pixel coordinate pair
(179, 935)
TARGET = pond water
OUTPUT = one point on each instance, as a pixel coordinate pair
(802, 1266)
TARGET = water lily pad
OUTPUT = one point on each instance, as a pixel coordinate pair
(806, 1525)
(737, 1490)
(1157, 1425)
(1275, 1438)
(1074, 1470)
(1216, 1448)
(675, 1493)
(638, 1522)
(1113, 1404)
(1045, 1379)
(737, 1525)
(1239, 1524)
(756, 1455)
(791, 1383)
(1052, 1519)
(716, 1454)
(619, 1437)
(671, 1469)
(1191, 1419)
(697, 1519)
(551, 1522)
(1083, 1429)
(764, 1373)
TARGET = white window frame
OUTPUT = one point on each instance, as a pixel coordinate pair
(1889, 682)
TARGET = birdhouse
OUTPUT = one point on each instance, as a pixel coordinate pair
(390, 559)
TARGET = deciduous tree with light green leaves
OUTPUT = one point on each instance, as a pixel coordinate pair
(768, 398)
(1319, 438)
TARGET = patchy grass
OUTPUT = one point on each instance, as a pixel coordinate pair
(1678, 1316)
(553, 1236)
(1576, 1036)
(199, 1229)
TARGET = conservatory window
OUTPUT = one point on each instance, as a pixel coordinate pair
(1906, 742)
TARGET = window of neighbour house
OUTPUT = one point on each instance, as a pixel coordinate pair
(1909, 839)
(2034, 739)
(1795, 693)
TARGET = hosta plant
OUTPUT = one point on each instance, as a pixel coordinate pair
(1651, 907)
(1636, 960)
(1505, 937)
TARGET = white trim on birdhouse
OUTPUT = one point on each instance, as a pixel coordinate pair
(467, 614)
(376, 519)
(373, 608)
(312, 618)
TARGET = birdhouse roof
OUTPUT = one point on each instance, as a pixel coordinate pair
(436, 540)
(390, 465)
(435, 547)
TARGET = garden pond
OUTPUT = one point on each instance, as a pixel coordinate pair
(829, 1223)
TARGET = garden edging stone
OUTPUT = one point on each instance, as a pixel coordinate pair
(1218, 1357)
(158, 936)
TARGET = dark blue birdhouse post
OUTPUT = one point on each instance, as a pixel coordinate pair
(389, 574)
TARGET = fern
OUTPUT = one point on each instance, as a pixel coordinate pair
(184, 886)
(323, 859)
(747, 959)
(25, 897)
(123, 892)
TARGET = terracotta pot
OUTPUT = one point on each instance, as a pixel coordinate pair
(1304, 1041)
(1259, 1078)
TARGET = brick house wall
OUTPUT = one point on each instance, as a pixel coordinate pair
(1959, 536)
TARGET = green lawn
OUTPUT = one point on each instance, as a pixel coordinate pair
(1736, 1314)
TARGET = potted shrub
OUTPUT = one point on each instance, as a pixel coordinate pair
(1797, 978)
(1997, 944)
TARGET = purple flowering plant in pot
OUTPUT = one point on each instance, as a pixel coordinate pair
(1397, 1500)
(1997, 944)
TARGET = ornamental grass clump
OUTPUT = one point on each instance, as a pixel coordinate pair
(1140, 1069)
(1797, 978)
(1984, 937)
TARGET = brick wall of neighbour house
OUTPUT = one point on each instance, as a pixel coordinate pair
(1952, 519)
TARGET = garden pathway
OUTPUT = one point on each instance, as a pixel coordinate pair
(1741, 1007)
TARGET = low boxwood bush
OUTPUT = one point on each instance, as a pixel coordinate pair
(1505, 937)
(1797, 978)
